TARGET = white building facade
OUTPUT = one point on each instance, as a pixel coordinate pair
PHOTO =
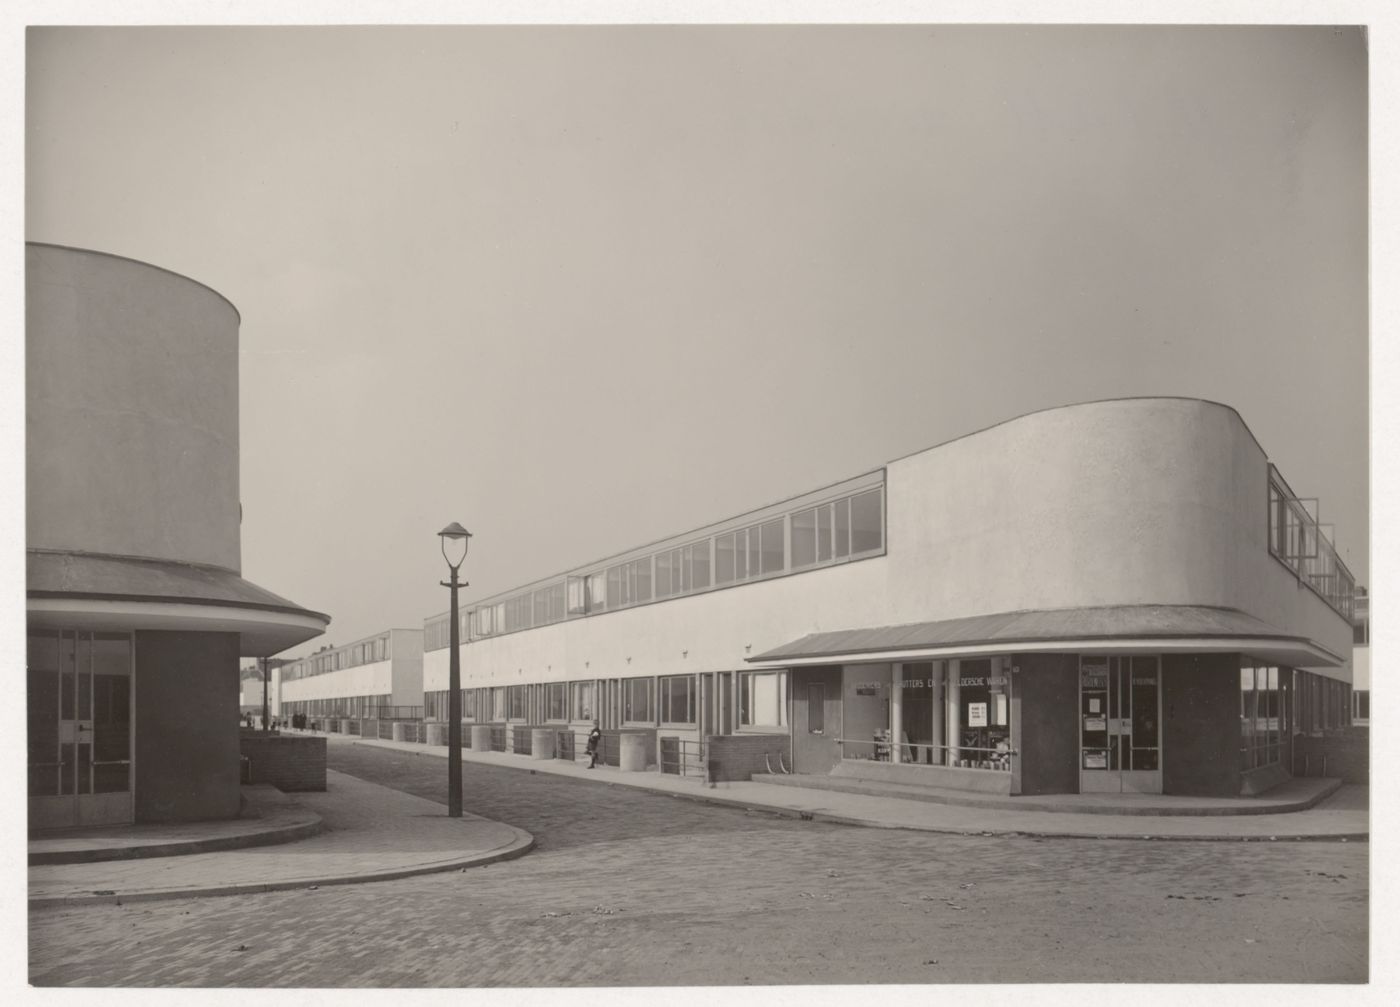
(1112, 596)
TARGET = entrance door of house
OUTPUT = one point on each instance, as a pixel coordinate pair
(79, 720)
(1120, 717)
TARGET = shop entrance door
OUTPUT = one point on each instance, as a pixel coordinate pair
(79, 720)
(1120, 716)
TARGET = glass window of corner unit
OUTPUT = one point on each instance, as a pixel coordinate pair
(517, 702)
(1260, 716)
(468, 704)
(1361, 704)
(763, 699)
(678, 699)
(556, 695)
(636, 701)
(867, 522)
(582, 700)
(498, 703)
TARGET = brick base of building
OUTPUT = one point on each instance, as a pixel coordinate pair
(1343, 754)
(288, 762)
(736, 757)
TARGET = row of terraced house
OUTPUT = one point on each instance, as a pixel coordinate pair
(1116, 596)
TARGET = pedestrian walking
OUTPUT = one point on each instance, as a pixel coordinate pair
(595, 738)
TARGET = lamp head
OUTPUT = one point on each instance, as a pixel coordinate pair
(454, 544)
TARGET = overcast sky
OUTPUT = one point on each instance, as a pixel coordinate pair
(580, 288)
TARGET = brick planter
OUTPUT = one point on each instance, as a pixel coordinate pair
(288, 762)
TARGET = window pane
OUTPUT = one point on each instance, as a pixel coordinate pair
(641, 574)
(755, 563)
(774, 554)
(724, 559)
(866, 522)
(824, 533)
(700, 565)
(843, 527)
(663, 574)
(762, 699)
(741, 554)
(804, 538)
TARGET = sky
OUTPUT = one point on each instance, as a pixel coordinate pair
(583, 287)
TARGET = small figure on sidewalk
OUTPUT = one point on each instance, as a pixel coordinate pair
(595, 738)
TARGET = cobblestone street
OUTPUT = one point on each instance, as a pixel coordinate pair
(635, 888)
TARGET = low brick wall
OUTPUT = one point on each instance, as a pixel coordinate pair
(736, 757)
(1344, 754)
(288, 762)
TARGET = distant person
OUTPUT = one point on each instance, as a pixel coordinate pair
(247, 720)
(595, 738)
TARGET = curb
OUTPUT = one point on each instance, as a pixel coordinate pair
(522, 844)
(1031, 804)
(838, 819)
(270, 837)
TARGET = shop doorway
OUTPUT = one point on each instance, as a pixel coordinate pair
(1120, 718)
(79, 729)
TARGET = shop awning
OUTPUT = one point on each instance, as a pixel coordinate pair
(1117, 628)
(67, 589)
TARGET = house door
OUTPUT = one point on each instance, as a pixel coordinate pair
(79, 720)
(1120, 717)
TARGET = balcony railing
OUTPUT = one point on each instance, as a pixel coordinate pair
(1301, 543)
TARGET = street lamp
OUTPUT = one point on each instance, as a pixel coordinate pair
(454, 550)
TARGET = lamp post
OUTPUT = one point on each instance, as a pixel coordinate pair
(454, 550)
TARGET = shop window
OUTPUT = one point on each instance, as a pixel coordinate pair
(763, 699)
(984, 713)
(1260, 716)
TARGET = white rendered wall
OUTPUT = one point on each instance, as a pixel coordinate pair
(1136, 501)
(406, 656)
(131, 410)
(366, 680)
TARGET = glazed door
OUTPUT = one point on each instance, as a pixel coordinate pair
(79, 720)
(1120, 719)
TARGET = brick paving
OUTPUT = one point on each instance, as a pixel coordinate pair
(630, 887)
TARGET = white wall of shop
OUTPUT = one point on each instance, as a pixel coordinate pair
(148, 411)
(1128, 502)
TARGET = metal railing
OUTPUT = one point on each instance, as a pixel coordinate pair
(498, 738)
(683, 757)
(521, 741)
(998, 759)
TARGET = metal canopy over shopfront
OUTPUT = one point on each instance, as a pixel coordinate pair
(1120, 628)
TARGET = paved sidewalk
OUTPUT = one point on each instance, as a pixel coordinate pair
(1343, 816)
(268, 817)
(370, 833)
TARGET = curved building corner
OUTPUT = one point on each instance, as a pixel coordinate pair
(136, 607)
